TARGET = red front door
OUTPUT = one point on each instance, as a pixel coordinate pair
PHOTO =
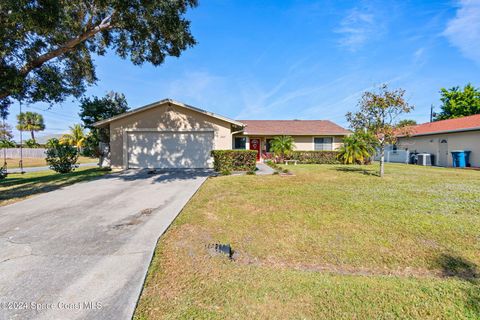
(255, 145)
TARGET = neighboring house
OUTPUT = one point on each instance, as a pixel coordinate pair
(440, 138)
(170, 134)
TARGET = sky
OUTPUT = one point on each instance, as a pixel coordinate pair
(283, 59)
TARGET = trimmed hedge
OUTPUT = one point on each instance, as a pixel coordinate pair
(314, 157)
(234, 160)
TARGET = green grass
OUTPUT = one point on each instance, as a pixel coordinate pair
(17, 186)
(331, 242)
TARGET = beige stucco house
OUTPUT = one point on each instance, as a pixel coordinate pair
(170, 134)
(440, 138)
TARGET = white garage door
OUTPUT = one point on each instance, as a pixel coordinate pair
(169, 149)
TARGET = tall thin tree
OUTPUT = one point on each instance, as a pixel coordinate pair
(378, 114)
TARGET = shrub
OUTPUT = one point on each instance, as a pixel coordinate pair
(252, 173)
(5, 143)
(226, 172)
(357, 149)
(3, 173)
(314, 157)
(30, 143)
(61, 157)
(282, 146)
(234, 160)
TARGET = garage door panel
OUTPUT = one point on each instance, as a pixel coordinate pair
(169, 150)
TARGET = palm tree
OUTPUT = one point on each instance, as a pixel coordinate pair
(282, 146)
(76, 137)
(355, 149)
(30, 121)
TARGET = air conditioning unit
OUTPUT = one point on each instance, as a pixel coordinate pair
(424, 159)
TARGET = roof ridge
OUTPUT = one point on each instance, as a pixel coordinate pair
(447, 120)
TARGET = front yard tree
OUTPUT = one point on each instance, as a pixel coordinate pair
(46, 47)
(378, 114)
(30, 121)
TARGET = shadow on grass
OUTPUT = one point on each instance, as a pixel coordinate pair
(357, 170)
(460, 268)
(22, 186)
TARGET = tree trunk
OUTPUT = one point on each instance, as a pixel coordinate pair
(382, 160)
(33, 135)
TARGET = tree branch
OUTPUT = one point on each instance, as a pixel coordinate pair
(105, 24)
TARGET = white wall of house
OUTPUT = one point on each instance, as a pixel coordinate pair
(468, 140)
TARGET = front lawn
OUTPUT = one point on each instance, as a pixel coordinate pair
(38, 162)
(18, 186)
(331, 242)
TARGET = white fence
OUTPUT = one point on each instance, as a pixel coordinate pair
(398, 156)
(14, 153)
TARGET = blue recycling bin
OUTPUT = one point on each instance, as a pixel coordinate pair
(460, 158)
(467, 158)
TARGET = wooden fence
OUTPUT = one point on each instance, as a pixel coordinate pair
(14, 153)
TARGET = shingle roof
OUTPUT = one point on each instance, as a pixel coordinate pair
(161, 102)
(451, 125)
(292, 127)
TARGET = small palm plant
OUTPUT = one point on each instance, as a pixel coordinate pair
(356, 149)
(76, 137)
(282, 146)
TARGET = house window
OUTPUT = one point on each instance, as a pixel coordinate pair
(240, 143)
(323, 144)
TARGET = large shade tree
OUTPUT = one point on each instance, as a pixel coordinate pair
(46, 46)
(378, 114)
(458, 102)
(30, 121)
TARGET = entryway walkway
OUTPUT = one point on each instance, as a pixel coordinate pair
(263, 169)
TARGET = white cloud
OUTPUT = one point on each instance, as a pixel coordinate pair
(357, 28)
(463, 31)
(419, 57)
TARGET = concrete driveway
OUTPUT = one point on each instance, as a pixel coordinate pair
(82, 252)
